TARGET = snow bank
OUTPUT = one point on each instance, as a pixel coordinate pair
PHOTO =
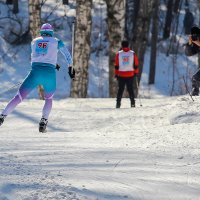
(184, 110)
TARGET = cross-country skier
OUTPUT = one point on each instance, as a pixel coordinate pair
(126, 67)
(192, 48)
(44, 50)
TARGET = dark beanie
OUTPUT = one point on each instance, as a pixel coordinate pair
(125, 44)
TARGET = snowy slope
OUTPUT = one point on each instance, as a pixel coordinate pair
(93, 151)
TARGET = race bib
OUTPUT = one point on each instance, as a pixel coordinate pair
(125, 60)
(42, 47)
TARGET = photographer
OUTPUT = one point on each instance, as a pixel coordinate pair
(192, 48)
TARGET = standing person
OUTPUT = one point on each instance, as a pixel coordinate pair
(126, 67)
(44, 50)
(192, 48)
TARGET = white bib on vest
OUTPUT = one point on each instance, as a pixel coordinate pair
(126, 60)
(44, 50)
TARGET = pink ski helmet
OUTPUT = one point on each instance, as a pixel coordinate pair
(46, 29)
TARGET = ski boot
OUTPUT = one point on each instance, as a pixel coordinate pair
(195, 92)
(2, 117)
(118, 104)
(43, 125)
(132, 103)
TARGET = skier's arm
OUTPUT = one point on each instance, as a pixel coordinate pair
(68, 58)
(117, 64)
(65, 53)
(136, 63)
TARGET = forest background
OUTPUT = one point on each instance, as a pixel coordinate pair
(157, 31)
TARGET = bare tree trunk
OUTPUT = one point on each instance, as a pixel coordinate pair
(176, 6)
(154, 39)
(35, 23)
(82, 48)
(174, 44)
(131, 17)
(9, 1)
(34, 17)
(141, 30)
(168, 19)
(198, 4)
(15, 6)
(65, 2)
(115, 13)
(128, 19)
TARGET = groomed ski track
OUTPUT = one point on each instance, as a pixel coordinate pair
(93, 151)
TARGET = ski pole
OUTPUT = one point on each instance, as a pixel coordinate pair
(137, 84)
(73, 35)
(187, 88)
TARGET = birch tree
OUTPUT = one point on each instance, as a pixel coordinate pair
(34, 25)
(34, 17)
(115, 20)
(82, 48)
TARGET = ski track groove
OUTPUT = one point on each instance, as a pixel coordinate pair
(92, 153)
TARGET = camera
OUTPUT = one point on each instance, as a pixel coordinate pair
(195, 33)
(195, 37)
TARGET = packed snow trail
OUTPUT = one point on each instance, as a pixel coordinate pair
(93, 151)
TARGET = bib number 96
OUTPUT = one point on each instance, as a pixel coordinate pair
(42, 47)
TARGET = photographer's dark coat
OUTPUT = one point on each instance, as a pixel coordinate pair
(192, 49)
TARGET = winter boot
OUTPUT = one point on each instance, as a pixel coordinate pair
(2, 117)
(43, 125)
(118, 104)
(132, 102)
(195, 91)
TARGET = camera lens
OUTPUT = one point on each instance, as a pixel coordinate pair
(194, 37)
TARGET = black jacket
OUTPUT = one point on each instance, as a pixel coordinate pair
(192, 49)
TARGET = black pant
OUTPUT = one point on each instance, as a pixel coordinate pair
(196, 80)
(122, 81)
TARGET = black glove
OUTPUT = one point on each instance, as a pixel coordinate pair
(58, 67)
(71, 72)
(116, 76)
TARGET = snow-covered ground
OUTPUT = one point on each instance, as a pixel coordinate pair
(93, 151)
